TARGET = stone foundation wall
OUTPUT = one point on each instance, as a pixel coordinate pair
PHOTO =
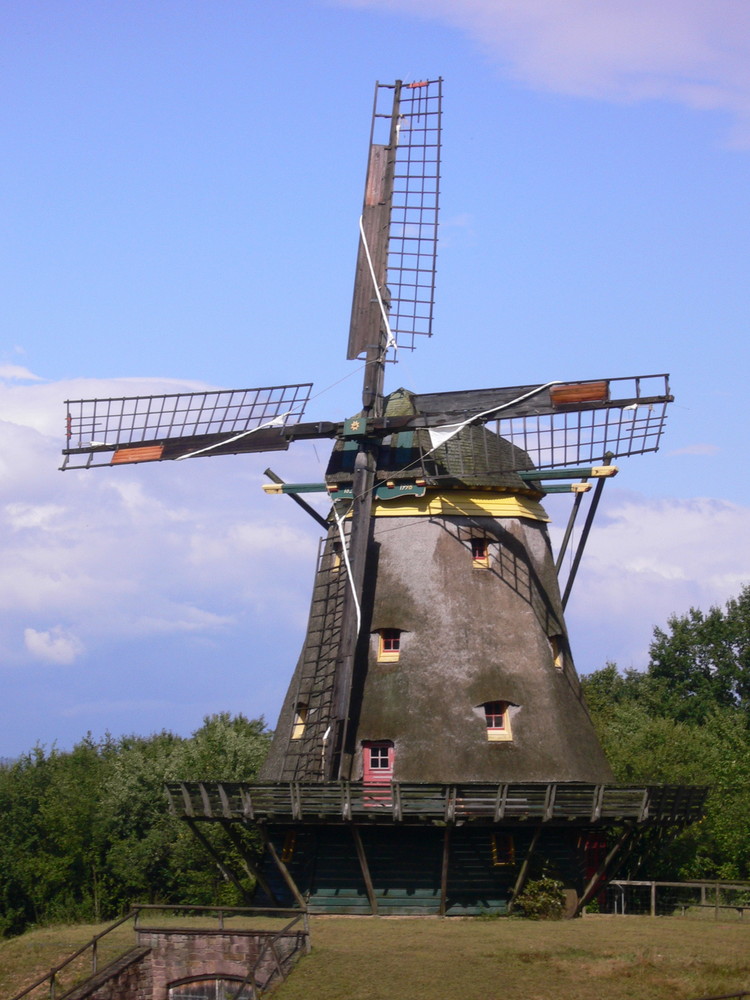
(180, 957)
(166, 958)
(129, 978)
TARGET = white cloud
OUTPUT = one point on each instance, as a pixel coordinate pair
(648, 559)
(111, 709)
(18, 373)
(692, 52)
(121, 554)
(696, 449)
(53, 646)
(26, 515)
(183, 619)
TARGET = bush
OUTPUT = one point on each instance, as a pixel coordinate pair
(542, 899)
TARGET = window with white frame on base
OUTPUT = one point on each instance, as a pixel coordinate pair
(497, 721)
(389, 645)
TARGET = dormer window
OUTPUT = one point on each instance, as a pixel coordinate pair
(480, 553)
(497, 720)
(556, 645)
(389, 645)
(300, 718)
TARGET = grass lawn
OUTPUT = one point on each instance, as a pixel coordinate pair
(24, 959)
(617, 958)
(365, 958)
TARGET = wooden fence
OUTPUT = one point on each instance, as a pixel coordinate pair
(654, 898)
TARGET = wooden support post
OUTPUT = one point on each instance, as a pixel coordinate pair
(226, 872)
(585, 533)
(299, 501)
(653, 899)
(249, 864)
(590, 891)
(568, 531)
(444, 872)
(365, 870)
(359, 540)
(524, 872)
(284, 871)
(500, 800)
(277, 960)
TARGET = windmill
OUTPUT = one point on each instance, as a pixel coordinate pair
(433, 747)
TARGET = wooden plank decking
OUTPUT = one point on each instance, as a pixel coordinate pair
(345, 802)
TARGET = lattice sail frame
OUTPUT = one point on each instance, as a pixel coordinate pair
(576, 435)
(140, 428)
(559, 424)
(412, 244)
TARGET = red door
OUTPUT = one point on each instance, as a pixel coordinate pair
(377, 770)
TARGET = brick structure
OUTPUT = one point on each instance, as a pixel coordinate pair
(166, 959)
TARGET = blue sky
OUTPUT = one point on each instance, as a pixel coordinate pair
(180, 192)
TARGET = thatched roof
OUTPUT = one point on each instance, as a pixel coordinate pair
(473, 458)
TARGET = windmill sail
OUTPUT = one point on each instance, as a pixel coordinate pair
(563, 423)
(398, 238)
(127, 429)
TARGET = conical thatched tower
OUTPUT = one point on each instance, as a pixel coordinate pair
(463, 671)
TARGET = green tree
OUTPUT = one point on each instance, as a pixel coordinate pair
(225, 747)
(140, 832)
(86, 833)
(656, 733)
(702, 662)
(230, 748)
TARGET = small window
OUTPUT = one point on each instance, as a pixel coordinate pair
(480, 553)
(497, 720)
(556, 645)
(300, 718)
(380, 759)
(502, 849)
(290, 842)
(389, 645)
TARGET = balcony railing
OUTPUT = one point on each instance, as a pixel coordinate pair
(399, 802)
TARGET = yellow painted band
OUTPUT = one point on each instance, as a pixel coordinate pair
(458, 502)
